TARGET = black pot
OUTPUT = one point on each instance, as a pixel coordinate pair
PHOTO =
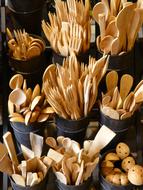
(74, 129)
(39, 186)
(84, 186)
(32, 78)
(120, 127)
(82, 58)
(27, 66)
(106, 185)
(123, 64)
(22, 132)
(26, 5)
(30, 21)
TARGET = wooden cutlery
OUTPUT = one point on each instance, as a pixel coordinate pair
(72, 89)
(22, 46)
(25, 105)
(69, 29)
(73, 165)
(30, 171)
(121, 104)
(120, 25)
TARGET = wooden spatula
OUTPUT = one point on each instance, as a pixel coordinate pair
(27, 153)
(111, 80)
(103, 137)
(18, 179)
(126, 83)
(36, 144)
(8, 141)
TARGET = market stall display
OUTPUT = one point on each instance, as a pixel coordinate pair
(67, 98)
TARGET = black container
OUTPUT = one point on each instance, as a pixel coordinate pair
(120, 127)
(26, 5)
(106, 185)
(32, 78)
(123, 64)
(84, 186)
(22, 132)
(74, 129)
(30, 21)
(82, 58)
(27, 66)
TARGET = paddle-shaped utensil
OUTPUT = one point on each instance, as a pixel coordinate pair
(111, 80)
(126, 84)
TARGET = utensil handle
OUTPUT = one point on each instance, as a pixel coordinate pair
(8, 141)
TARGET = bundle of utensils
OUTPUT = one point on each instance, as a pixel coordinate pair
(32, 169)
(25, 105)
(121, 103)
(119, 22)
(72, 164)
(69, 29)
(71, 89)
(23, 46)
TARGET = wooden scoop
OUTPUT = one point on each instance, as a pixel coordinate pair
(17, 97)
(126, 84)
(111, 80)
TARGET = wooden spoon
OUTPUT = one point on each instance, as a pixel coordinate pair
(112, 29)
(98, 40)
(139, 97)
(106, 44)
(133, 29)
(111, 80)
(16, 81)
(36, 92)
(115, 48)
(102, 24)
(138, 86)
(126, 83)
(99, 8)
(123, 17)
(50, 141)
(128, 101)
(35, 102)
